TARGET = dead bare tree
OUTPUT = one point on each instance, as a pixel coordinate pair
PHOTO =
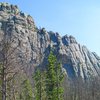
(8, 63)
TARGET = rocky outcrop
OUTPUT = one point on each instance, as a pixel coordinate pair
(35, 44)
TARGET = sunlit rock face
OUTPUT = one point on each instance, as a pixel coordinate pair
(34, 45)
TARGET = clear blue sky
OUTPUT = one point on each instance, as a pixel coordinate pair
(80, 18)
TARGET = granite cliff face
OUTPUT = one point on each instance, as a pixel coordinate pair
(35, 44)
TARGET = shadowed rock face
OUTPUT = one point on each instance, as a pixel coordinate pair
(35, 44)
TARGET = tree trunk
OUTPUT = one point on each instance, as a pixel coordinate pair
(3, 85)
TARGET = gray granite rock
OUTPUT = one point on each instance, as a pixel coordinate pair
(35, 44)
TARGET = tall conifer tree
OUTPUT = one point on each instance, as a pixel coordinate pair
(54, 79)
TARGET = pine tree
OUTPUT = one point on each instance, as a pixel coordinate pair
(59, 80)
(39, 85)
(27, 93)
(54, 79)
(51, 77)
